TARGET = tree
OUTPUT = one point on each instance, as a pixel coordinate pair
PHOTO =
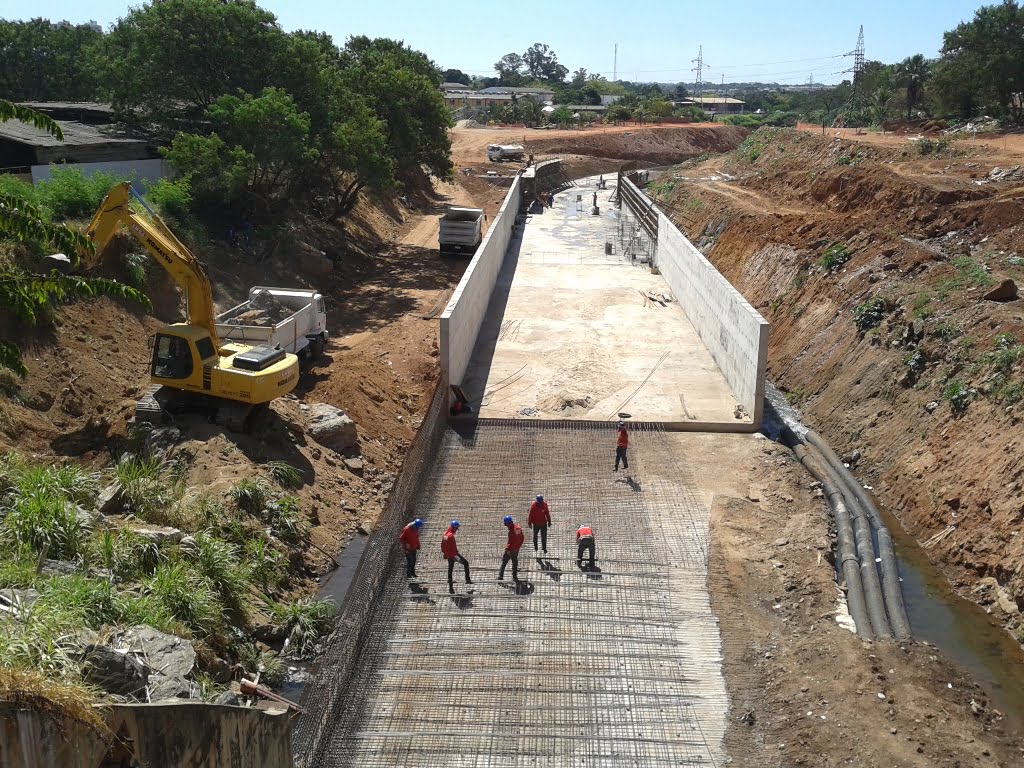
(989, 52)
(456, 76)
(510, 69)
(878, 106)
(912, 73)
(166, 63)
(562, 115)
(579, 78)
(26, 295)
(43, 61)
(401, 86)
(542, 63)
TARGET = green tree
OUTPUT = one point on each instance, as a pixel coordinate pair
(456, 76)
(401, 86)
(43, 61)
(988, 51)
(542, 63)
(562, 115)
(27, 296)
(166, 63)
(260, 143)
(911, 74)
(579, 78)
(510, 69)
(878, 106)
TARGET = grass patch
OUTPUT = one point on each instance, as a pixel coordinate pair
(959, 396)
(219, 562)
(64, 699)
(947, 330)
(250, 495)
(187, 597)
(305, 622)
(147, 490)
(922, 306)
(284, 474)
(285, 520)
(968, 273)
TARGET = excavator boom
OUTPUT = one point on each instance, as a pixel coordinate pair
(160, 243)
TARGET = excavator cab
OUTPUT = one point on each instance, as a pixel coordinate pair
(176, 358)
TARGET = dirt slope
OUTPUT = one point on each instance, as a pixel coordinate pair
(930, 397)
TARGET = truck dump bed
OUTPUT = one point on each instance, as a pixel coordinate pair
(284, 316)
(461, 230)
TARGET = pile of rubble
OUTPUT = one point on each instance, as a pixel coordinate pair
(263, 309)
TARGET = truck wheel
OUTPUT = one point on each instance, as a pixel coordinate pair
(316, 349)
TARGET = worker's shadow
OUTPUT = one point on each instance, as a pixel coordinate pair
(462, 602)
(421, 594)
(519, 587)
(632, 482)
(592, 571)
(550, 569)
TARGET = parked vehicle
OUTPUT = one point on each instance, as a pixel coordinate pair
(461, 231)
(496, 153)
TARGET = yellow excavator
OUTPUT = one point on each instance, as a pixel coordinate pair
(191, 367)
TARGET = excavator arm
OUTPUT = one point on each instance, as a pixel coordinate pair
(161, 244)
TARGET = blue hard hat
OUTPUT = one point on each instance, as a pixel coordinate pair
(539, 497)
(417, 523)
(455, 523)
(507, 520)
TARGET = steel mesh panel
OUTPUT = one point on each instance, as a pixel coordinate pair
(617, 668)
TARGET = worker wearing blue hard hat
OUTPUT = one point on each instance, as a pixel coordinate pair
(512, 547)
(450, 552)
(409, 540)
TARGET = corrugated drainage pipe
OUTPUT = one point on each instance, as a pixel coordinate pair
(891, 589)
(865, 551)
(846, 548)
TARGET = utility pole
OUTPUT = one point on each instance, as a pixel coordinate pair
(699, 70)
(615, 64)
(858, 67)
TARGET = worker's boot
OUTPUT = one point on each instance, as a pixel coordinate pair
(451, 588)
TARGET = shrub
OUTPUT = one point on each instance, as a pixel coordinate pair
(928, 147)
(135, 265)
(250, 495)
(1006, 354)
(304, 621)
(284, 474)
(834, 257)
(914, 361)
(947, 331)
(264, 562)
(40, 518)
(284, 519)
(71, 194)
(869, 314)
(844, 160)
(172, 197)
(273, 670)
(959, 396)
(145, 489)
(217, 560)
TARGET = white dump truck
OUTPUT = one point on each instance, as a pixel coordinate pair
(499, 152)
(460, 230)
(294, 318)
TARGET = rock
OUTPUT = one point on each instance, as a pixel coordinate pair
(157, 534)
(953, 502)
(780, 542)
(354, 465)
(332, 428)
(932, 406)
(114, 671)
(177, 687)
(219, 670)
(18, 600)
(1005, 291)
(976, 708)
(753, 494)
(58, 568)
(228, 699)
(364, 528)
(166, 655)
(159, 440)
(110, 500)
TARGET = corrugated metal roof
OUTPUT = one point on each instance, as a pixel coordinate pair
(75, 135)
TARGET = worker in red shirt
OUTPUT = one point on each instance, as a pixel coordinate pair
(621, 444)
(585, 543)
(409, 539)
(515, 541)
(450, 552)
(539, 520)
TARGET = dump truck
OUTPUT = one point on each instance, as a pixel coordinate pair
(498, 152)
(292, 319)
(460, 231)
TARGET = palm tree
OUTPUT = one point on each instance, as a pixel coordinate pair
(912, 73)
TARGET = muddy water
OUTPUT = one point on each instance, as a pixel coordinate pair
(334, 587)
(959, 628)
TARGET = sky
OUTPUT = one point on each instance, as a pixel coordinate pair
(784, 41)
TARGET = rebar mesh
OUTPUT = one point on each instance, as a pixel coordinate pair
(619, 667)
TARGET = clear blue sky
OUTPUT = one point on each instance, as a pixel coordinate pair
(771, 40)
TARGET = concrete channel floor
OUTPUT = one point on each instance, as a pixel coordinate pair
(570, 334)
(616, 667)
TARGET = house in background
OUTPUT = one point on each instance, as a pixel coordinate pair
(539, 95)
(29, 152)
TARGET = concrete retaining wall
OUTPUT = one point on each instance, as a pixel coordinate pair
(171, 734)
(733, 331)
(462, 318)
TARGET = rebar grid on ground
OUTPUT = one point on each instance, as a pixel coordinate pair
(616, 667)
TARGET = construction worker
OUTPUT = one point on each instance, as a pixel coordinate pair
(409, 539)
(621, 444)
(539, 520)
(515, 541)
(585, 543)
(450, 552)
